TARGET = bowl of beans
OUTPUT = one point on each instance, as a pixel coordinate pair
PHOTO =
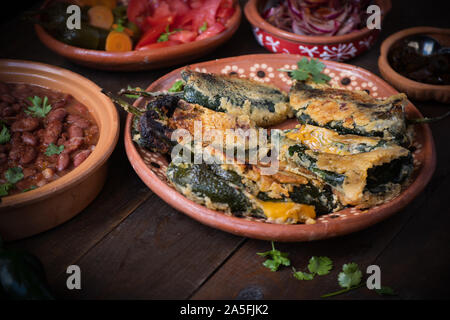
(57, 131)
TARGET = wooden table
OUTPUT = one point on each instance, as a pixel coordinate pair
(130, 244)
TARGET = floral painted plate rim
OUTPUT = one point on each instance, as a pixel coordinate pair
(150, 166)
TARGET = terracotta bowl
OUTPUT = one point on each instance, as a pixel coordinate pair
(337, 48)
(29, 213)
(414, 89)
(151, 167)
(141, 60)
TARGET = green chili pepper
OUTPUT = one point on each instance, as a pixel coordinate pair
(22, 276)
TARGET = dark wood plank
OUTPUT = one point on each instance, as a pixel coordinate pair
(416, 263)
(156, 253)
(251, 277)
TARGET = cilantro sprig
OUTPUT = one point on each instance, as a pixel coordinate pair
(386, 291)
(165, 35)
(5, 136)
(308, 70)
(53, 149)
(203, 27)
(39, 108)
(275, 259)
(349, 279)
(177, 86)
(12, 176)
(317, 266)
(4, 189)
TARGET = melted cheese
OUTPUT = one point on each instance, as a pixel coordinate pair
(355, 109)
(355, 167)
(328, 141)
(281, 212)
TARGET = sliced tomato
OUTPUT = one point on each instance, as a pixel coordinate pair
(179, 7)
(151, 35)
(183, 36)
(157, 45)
(216, 28)
(137, 10)
(163, 20)
(197, 17)
(196, 3)
(223, 14)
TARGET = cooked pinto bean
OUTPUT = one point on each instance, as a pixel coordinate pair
(79, 121)
(48, 173)
(16, 152)
(63, 161)
(28, 155)
(58, 114)
(75, 131)
(25, 124)
(52, 132)
(7, 112)
(60, 103)
(80, 157)
(68, 124)
(7, 98)
(28, 172)
(3, 158)
(29, 138)
(72, 144)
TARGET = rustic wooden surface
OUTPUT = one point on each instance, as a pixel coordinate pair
(129, 244)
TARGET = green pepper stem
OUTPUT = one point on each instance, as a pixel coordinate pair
(342, 291)
(150, 94)
(123, 104)
(428, 120)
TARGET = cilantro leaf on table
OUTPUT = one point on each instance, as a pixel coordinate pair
(320, 265)
(40, 107)
(308, 69)
(14, 175)
(350, 276)
(53, 149)
(277, 258)
(299, 275)
(349, 279)
(317, 266)
(5, 136)
(385, 291)
(177, 86)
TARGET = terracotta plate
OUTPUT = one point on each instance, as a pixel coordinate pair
(151, 166)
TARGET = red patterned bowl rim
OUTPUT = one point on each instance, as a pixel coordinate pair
(252, 13)
(352, 220)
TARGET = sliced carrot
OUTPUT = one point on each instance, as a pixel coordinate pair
(118, 42)
(101, 17)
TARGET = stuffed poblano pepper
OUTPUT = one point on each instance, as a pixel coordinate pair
(364, 179)
(265, 104)
(350, 112)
